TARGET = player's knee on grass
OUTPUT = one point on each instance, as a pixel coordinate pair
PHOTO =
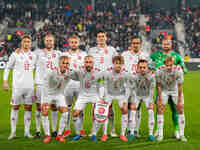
(63, 109)
(45, 109)
(16, 107)
(28, 107)
(76, 113)
(181, 109)
(38, 107)
(161, 109)
(54, 107)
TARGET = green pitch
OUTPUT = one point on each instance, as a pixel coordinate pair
(192, 130)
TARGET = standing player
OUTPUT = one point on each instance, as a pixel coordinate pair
(23, 85)
(55, 82)
(103, 55)
(73, 87)
(169, 80)
(158, 58)
(89, 91)
(46, 60)
(131, 58)
(143, 84)
(116, 87)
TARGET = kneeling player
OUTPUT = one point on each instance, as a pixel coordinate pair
(169, 80)
(116, 87)
(54, 83)
(143, 84)
(89, 91)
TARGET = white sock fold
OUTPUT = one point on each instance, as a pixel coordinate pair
(27, 121)
(138, 120)
(160, 123)
(132, 121)
(151, 121)
(54, 118)
(181, 119)
(77, 124)
(13, 120)
(45, 123)
(124, 123)
(67, 125)
(62, 123)
(37, 120)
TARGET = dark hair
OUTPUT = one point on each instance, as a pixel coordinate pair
(100, 31)
(118, 58)
(137, 37)
(142, 61)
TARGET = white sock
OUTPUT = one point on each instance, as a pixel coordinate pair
(62, 123)
(27, 121)
(96, 127)
(105, 127)
(77, 124)
(151, 121)
(138, 120)
(124, 123)
(128, 126)
(45, 123)
(132, 121)
(111, 119)
(54, 118)
(160, 123)
(181, 119)
(37, 120)
(13, 120)
(67, 125)
(81, 116)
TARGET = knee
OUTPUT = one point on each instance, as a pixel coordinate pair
(54, 107)
(45, 110)
(63, 109)
(28, 107)
(16, 107)
(38, 107)
(151, 106)
(76, 113)
(133, 107)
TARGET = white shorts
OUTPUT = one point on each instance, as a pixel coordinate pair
(139, 99)
(72, 89)
(121, 99)
(22, 96)
(85, 98)
(165, 97)
(58, 99)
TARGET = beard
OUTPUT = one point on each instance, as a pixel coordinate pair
(74, 48)
(88, 68)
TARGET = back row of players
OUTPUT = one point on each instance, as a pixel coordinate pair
(101, 76)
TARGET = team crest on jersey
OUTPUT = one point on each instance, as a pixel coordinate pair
(30, 57)
(101, 112)
(54, 55)
(79, 57)
(106, 51)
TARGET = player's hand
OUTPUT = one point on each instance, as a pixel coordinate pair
(18, 50)
(180, 106)
(5, 85)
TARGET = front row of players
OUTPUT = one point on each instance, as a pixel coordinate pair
(95, 87)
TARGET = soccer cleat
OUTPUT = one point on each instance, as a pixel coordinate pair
(113, 134)
(77, 137)
(183, 139)
(37, 135)
(67, 133)
(54, 134)
(152, 138)
(176, 135)
(131, 137)
(136, 133)
(128, 133)
(60, 138)
(12, 136)
(159, 138)
(94, 138)
(156, 133)
(47, 139)
(28, 135)
(123, 138)
(104, 138)
(82, 132)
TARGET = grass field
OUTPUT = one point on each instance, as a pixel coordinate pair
(192, 130)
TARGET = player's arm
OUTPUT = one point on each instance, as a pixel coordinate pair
(9, 66)
(180, 80)
(127, 86)
(181, 63)
(152, 87)
(158, 87)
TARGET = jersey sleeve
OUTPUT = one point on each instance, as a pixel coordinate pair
(10, 65)
(180, 61)
(180, 76)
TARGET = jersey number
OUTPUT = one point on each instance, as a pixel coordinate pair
(49, 65)
(26, 66)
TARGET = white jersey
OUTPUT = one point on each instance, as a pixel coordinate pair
(143, 84)
(46, 60)
(116, 83)
(89, 80)
(23, 65)
(131, 60)
(102, 56)
(169, 80)
(55, 82)
(76, 58)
